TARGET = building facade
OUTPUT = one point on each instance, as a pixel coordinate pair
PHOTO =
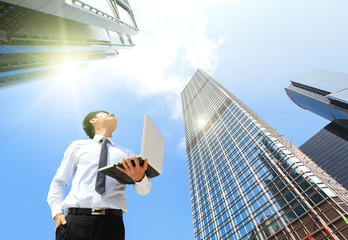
(325, 93)
(246, 180)
(39, 37)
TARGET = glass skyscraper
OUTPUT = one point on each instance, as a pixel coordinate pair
(246, 180)
(38, 37)
(325, 93)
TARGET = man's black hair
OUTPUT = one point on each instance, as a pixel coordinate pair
(87, 126)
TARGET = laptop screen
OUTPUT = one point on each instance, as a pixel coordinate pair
(152, 146)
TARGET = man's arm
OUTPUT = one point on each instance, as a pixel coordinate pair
(142, 184)
(59, 183)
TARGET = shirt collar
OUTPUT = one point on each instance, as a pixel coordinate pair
(97, 138)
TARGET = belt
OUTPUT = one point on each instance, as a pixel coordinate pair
(96, 211)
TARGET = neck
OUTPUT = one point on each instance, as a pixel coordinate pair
(104, 132)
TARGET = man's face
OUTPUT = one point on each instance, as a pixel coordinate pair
(104, 119)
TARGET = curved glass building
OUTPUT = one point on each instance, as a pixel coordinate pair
(324, 93)
(38, 37)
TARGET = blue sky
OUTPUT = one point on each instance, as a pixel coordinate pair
(254, 48)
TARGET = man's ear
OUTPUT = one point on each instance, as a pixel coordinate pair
(93, 120)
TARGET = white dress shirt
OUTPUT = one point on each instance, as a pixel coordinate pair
(80, 162)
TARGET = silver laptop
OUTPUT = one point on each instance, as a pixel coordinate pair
(152, 148)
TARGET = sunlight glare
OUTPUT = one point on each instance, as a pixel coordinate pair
(201, 122)
(70, 82)
(71, 75)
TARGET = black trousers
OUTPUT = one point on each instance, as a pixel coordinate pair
(83, 227)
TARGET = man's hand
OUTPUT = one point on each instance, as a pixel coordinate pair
(136, 172)
(60, 218)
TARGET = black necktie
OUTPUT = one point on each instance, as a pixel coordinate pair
(100, 183)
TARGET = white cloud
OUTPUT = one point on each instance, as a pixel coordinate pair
(171, 45)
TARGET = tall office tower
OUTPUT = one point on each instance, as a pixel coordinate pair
(326, 94)
(246, 180)
(38, 37)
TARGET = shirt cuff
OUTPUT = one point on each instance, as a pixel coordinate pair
(56, 210)
(144, 182)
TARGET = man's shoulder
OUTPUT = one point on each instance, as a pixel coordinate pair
(81, 143)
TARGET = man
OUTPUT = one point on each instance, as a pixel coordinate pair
(96, 202)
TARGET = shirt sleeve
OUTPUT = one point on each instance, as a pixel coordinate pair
(61, 180)
(143, 187)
